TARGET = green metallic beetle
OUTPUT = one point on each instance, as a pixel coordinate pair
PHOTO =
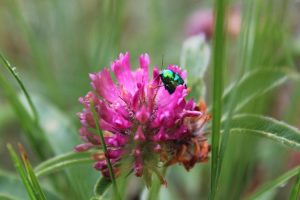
(171, 80)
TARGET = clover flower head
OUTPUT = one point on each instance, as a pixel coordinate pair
(141, 121)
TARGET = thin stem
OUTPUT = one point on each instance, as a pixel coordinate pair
(110, 169)
(232, 98)
(31, 175)
(218, 63)
(27, 96)
(21, 170)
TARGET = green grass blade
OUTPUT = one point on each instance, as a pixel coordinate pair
(218, 64)
(111, 173)
(61, 162)
(295, 193)
(239, 94)
(31, 128)
(63, 137)
(37, 188)
(265, 80)
(14, 73)
(12, 186)
(21, 170)
(274, 183)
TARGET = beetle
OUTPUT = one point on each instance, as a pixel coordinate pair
(171, 80)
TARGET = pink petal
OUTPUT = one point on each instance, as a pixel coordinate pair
(160, 136)
(83, 147)
(157, 148)
(142, 115)
(121, 68)
(139, 135)
(104, 85)
(113, 154)
(100, 165)
(177, 70)
(138, 168)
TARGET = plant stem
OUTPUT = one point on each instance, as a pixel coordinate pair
(27, 96)
(218, 63)
(111, 173)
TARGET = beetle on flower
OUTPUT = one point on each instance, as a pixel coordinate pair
(142, 121)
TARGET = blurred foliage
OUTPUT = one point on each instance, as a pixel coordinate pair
(55, 44)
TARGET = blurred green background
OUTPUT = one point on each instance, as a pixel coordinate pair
(55, 44)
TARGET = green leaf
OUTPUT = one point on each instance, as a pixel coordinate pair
(256, 83)
(62, 161)
(56, 130)
(247, 88)
(154, 190)
(101, 186)
(29, 179)
(59, 131)
(13, 188)
(63, 137)
(271, 185)
(103, 183)
(18, 165)
(194, 58)
(266, 127)
(28, 123)
(147, 177)
(295, 193)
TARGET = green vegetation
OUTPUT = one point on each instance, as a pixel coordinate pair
(247, 74)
